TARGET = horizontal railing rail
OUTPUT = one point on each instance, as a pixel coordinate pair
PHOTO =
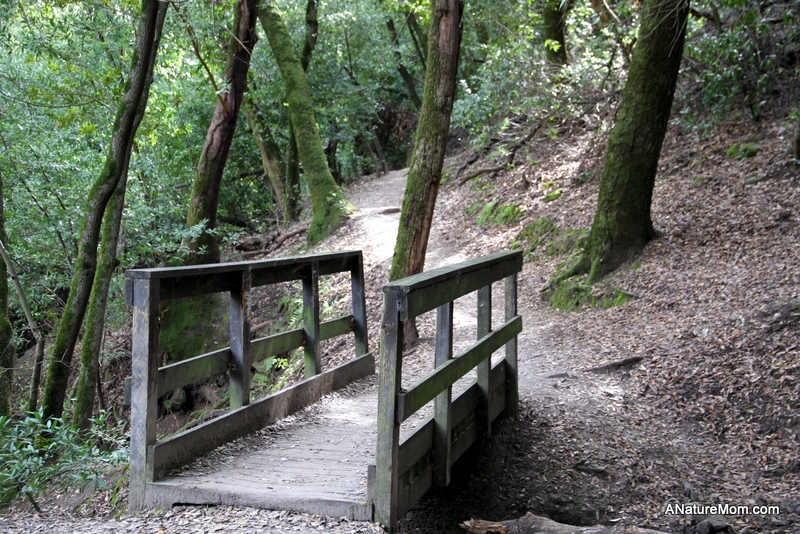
(151, 459)
(404, 471)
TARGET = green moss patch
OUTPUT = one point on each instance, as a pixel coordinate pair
(572, 295)
(493, 213)
(544, 236)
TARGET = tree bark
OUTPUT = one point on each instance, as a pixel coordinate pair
(270, 160)
(623, 225)
(425, 171)
(292, 186)
(326, 198)
(205, 190)
(103, 187)
(7, 348)
(88, 378)
(555, 43)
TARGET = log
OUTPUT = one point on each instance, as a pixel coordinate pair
(534, 524)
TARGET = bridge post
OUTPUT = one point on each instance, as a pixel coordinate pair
(359, 305)
(240, 342)
(484, 368)
(144, 397)
(387, 453)
(512, 387)
(443, 402)
(313, 364)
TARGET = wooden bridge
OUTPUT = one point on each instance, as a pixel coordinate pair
(355, 457)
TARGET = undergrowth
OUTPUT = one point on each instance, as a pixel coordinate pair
(37, 454)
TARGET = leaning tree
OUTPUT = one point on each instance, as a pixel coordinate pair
(623, 225)
(98, 196)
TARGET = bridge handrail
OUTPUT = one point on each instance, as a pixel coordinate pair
(151, 459)
(404, 471)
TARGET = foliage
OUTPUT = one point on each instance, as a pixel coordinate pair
(740, 55)
(36, 454)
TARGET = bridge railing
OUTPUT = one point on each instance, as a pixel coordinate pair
(405, 471)
(151, 459)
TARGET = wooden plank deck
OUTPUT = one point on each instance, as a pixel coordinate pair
(313, 462)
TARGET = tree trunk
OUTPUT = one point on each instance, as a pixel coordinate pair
(418, 37)
(555, 44)
(7, 349)
(205, 190)
(292, 156)
(88, 379)
(326, 198)
(408, 80)
(271, 162)
(797, 141)
(623, 224)
(98, 197)
(425, 172)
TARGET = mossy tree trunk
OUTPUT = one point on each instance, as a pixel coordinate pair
(292, 186)
(208, 177)
(326, 198)
(98, 196)
(7, 347)
(425, 171)
(623, 224)
(554, 15)
(270, 159)
(107, 262)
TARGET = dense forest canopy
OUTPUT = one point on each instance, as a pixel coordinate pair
(66, 66)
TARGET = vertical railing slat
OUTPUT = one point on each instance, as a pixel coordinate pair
(240, 343)
(484, 368)
(144, 391)
(313, 364)
(386, 456)
(358, 292)
(512, 392)
(443, 402)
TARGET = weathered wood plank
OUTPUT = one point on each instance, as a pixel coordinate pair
(180, 282)
(464, 430)
(429, 386)
(386, 456)
(442, 403)
(511, 373)
(239, 387)
(192, 371)
(144, 368)
(415, 446)
(310, 277)
(263, 348)
(358, 292)
(425, 291)
(164, 495)
(414, 491)
(337, 327)
(484, 312)
(497, 390)
(177, 450)
(197, 369)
